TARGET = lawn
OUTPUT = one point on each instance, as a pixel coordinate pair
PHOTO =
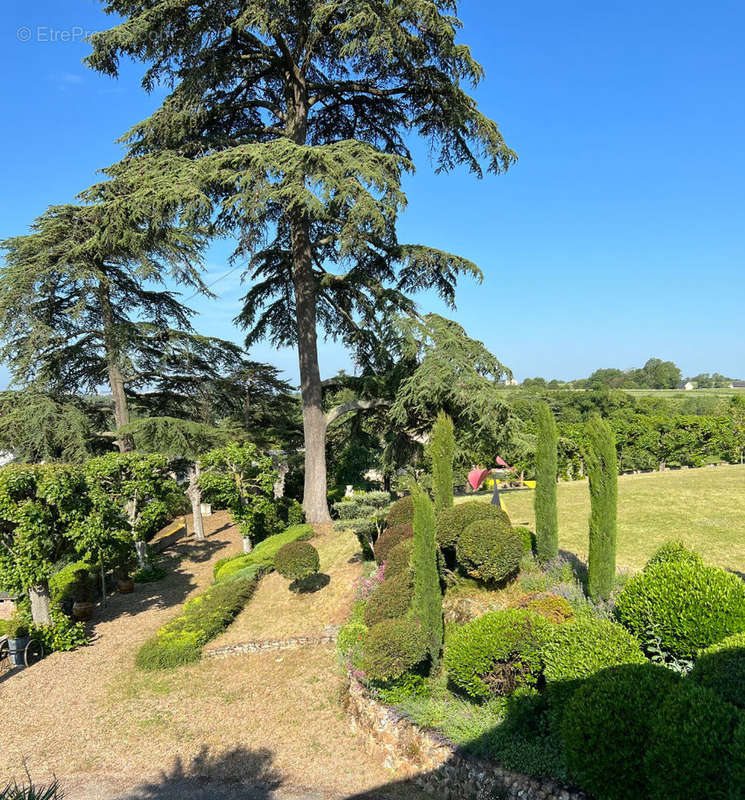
(703, 507)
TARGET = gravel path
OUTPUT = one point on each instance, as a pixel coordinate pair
(254, 727)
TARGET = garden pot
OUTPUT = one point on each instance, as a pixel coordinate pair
(125, 585)
(17, 649)
(82, 612)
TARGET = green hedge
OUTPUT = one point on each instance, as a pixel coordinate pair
(500, 649)
(390, 538)
(391, 599)
(263, 554)
(401, 512)
(606, 726)
(585, 645)
(399, 558)
(204, 617)
(685, 604)
(721, 668)
(393, 647)
(490, 550)
(451, 522)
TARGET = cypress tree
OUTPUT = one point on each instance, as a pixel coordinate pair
(294, 118)
(546, 514)
(602, 470)
(427, 603)
(442, 451)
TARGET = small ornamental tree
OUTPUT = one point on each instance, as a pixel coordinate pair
(427, 603)
(364, 513)
(546, 514)
(141, 486)
(240, 478)
(442, 451)
(602, 470)
(40, 505)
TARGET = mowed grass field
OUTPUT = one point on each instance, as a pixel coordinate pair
(703, 507)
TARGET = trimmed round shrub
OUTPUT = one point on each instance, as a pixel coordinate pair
(552, 607)
(393, 647)
(390, 538)
(737, 761)
(690, 746)
(605, 728)
(497, 653)
(391, 599)
(401, 512)
(399, 558)
(585, 645)
(297, 560)
(451, 522)
(685, 604)
(528, 538)
(674, 550)
(721, 668)
(490, 550)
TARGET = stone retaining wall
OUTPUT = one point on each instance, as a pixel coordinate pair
(434, 763)
(264, 645)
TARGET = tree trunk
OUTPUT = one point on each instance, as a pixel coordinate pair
(116, 381)
(41, 608)
(195, 495)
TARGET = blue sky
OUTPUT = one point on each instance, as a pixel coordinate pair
(619, 235)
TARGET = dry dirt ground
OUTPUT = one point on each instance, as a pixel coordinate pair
(254, 726)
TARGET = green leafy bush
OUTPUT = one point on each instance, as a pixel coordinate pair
(490, 550)
(350, 641)
(497, 653)
(689, 753)
(297, 560)
(150, 574)
(263, 554)
(18, 626)
(64, 585)
(584, 646)
(674, 550)
(391, 599)
(552, 607)
(686, 605)
(390, 538)
(401, 512)
(605, 728)
(528, 538)
(181, 640)
(399, 558)
(721, 668)
(451, 522)
(393, 647)
(63, 633)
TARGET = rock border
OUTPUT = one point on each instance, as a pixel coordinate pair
(439, 767)
(264, 645)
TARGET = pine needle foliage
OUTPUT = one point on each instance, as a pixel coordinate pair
(287, 127)
(427, 603)
(546, 513)
(442, 451)
(602, 471)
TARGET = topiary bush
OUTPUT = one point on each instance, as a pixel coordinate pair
(721, 668)
(605, 728)
(399, 558)
(263, 554)
(552, 607)
(393, 647)
(584, 646)
(685, 604)
(451, 522)
(528, 538)
(497, 653)
(674, 550)
(689, 753)
(390, 538)
(401, 512)
(391, 599)
(490, 550)
(297, 560)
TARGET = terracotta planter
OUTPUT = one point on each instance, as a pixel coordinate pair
(82, 612)
(125, 585)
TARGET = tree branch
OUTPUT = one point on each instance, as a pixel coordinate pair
(351, 406)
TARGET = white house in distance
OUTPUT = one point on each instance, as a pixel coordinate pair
(688, 386)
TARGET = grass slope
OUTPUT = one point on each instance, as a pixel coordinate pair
(703, 507)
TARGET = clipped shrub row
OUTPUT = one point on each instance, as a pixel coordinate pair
(263, 554)
(204, 617)
(391, 537)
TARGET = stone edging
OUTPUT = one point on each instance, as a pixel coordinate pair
(432, 762)
(264, 645)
